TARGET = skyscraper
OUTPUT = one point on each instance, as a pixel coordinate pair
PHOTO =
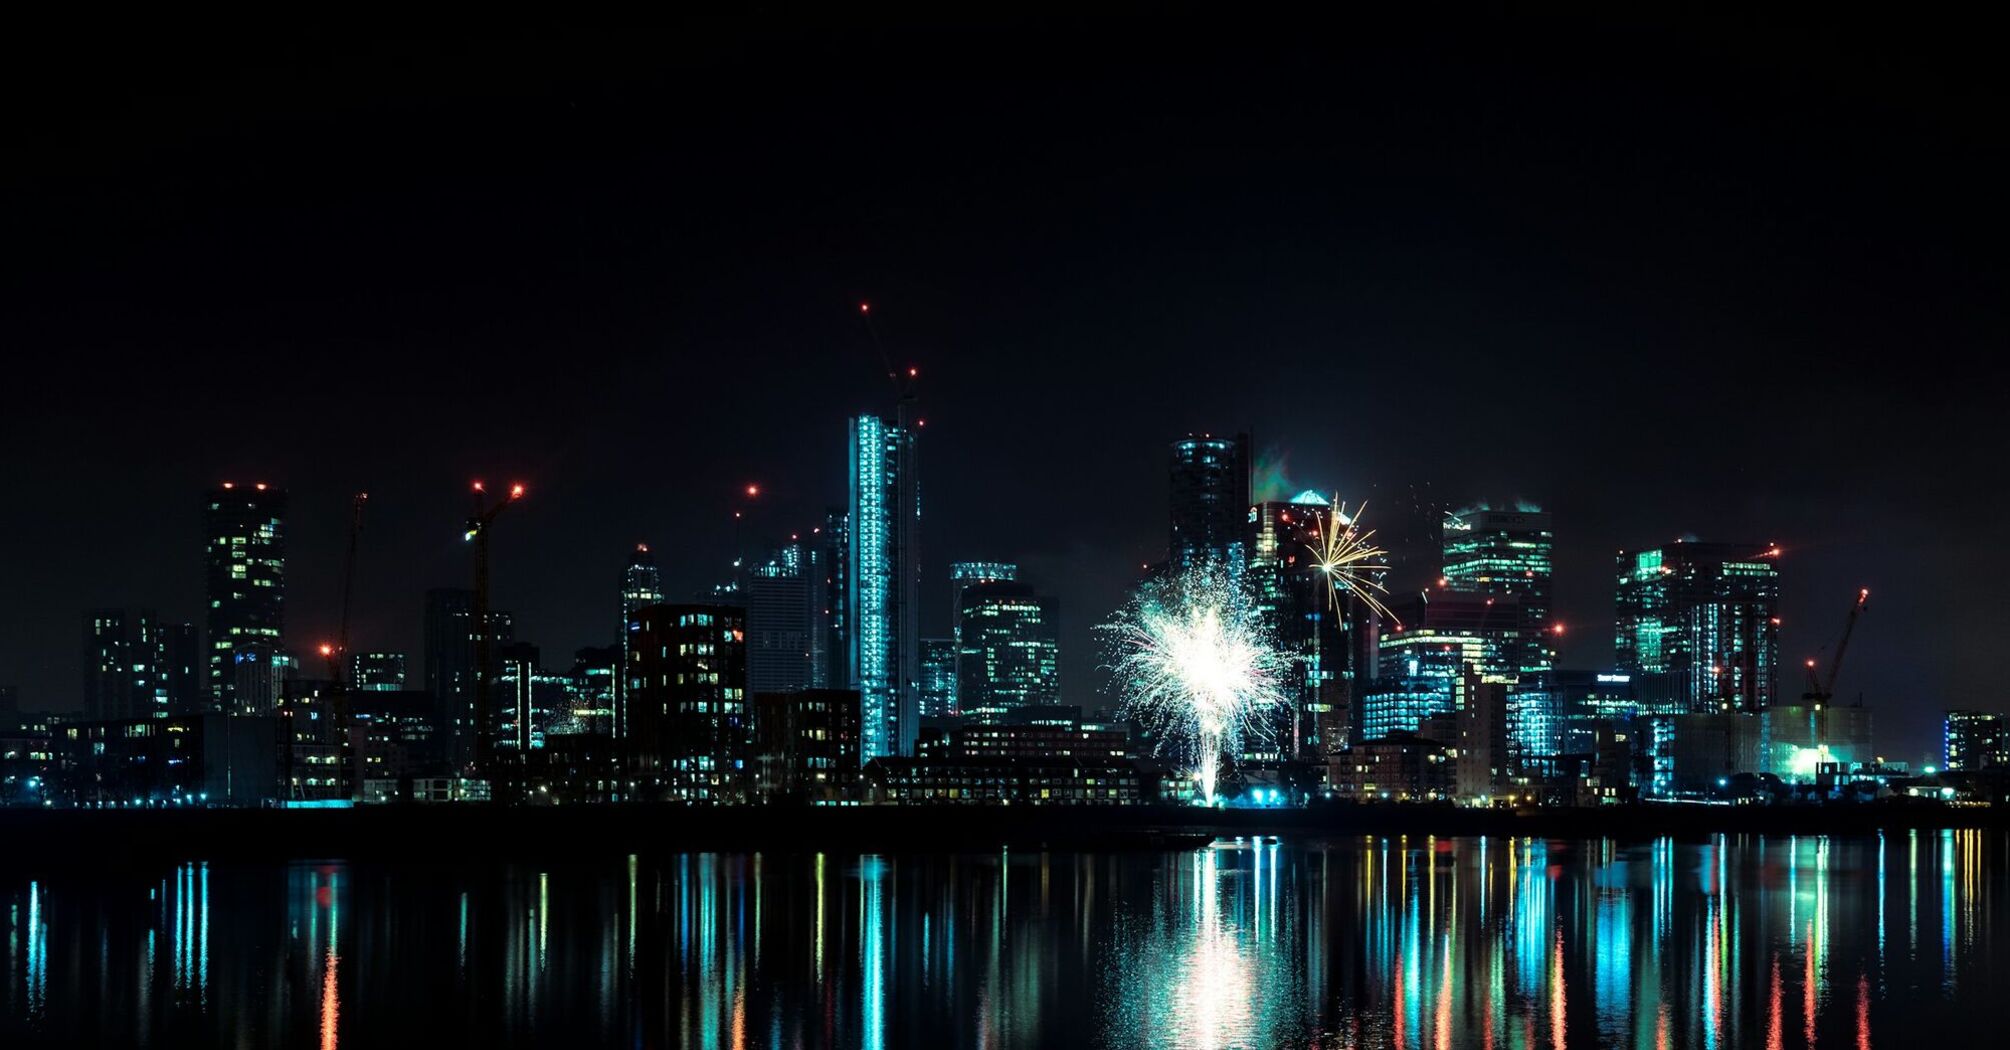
(964, 574)
(641, 585)
(688, 702)
(784, 620)
(1423, 665)
(1210, 503)
(245, 554)
(1500, 553)
(938, 677)
(1009, 657)
(1698, 626)
(1291, 596)
(883, 582)
(450, 665)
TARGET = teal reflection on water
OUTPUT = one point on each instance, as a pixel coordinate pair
(1413, 942)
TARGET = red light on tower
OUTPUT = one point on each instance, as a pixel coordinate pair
(261, 486)
(1558, 629)
(479, 488)
(753, 491)
(327, 650)
(516, 491)
(865, 308)
(912, 371)
(230, 484)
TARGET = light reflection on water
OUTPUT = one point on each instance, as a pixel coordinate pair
(1380, 941)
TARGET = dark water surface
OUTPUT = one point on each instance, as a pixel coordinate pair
(1384, 941)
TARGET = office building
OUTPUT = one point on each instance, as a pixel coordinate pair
(1697, 626)
(1291, 594)
(530, 703)
(123, 677)
(1974, 740)
(883, 580)
(784, 619)
(377, 672)
(1421, 661)
(688, 720)
(1010, 655)
(641, 585)
(1500, 553)
(806, 745)
(1210, 503)
(591, 688)
(450, 665)
(245, 557)
(1399, 767)
(938, 677)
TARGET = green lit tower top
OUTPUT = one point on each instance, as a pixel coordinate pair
(245, 558)
(1698, 626)
(1506, 553)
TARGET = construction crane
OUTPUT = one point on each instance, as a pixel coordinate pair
(337, 653)
(1821, 691)
(479, 524)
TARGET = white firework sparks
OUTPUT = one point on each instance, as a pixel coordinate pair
(1196, 666)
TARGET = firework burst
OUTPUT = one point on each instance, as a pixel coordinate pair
(1195, 665)
(1349, 559)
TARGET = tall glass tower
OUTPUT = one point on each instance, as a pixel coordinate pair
(1498, 553)
(883, 580)
(641, 586)
(1210, 503)
(1698, 626)
(1009, 657)
(245, 555)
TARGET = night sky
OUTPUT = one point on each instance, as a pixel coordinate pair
(1737, 280)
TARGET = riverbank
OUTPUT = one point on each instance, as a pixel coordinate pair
(62, 838)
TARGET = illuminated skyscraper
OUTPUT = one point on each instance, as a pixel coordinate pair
(938, 677)
(1422, 665)
(1291, 595)
(965, 574)
(641, 585)
(1698, 626)
(1210, 503)
(1500, 553)
(883, 581)
(1009, 657)
(245, 554)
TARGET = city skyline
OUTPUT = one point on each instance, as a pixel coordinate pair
(1645, 333)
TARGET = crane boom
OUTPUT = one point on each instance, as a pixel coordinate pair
(1849, 627)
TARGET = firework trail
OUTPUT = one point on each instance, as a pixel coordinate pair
(1194, 664)
(1349, 558)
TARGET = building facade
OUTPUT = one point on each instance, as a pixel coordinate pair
(883, 579)
(1973, 740)
(806, 745)
(377, 672)
(450, 665)
(245, 558)
(1010, 654)
(1506, 554)
(1697, 625)
(1209, 488)
(690, 731)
